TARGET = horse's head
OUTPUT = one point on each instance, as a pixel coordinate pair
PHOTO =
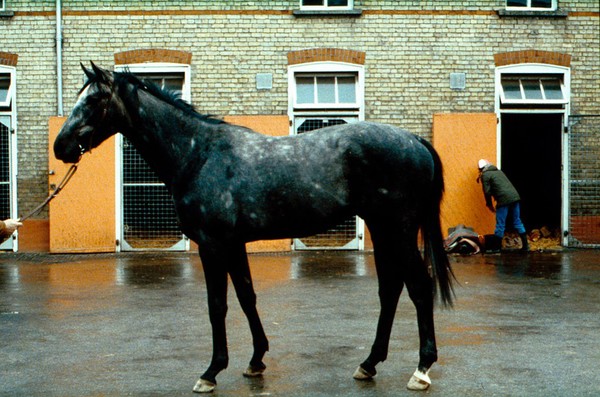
(92, 120)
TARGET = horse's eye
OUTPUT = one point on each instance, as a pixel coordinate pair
(93, 103)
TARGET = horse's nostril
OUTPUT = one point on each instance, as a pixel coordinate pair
(63, 152)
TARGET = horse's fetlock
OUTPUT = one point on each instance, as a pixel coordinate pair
(428, 357)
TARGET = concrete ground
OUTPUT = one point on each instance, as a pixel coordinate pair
(137, 325)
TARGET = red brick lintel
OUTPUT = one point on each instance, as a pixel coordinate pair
(532, 56)
(326, 55)
(8, 59)
(153, 55)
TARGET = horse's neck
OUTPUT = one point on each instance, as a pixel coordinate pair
(164, 145)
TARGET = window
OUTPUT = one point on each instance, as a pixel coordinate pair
(531, 5)
(6, 88)
(532, 89)
(2, 5)
(171, 82)
(326, 4)
(326, 89)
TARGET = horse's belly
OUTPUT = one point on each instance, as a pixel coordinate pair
(292, 222)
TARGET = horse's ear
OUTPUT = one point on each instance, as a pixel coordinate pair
(100, 74)
(87, 72)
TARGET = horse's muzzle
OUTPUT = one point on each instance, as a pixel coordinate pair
(67, 151)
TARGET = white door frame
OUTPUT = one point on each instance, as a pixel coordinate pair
(354, 111)
(9, 110)
(541, 108)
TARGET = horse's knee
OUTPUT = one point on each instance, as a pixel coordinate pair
(217, 310)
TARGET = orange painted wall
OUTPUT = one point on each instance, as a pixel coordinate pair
(34, 236)
(461, 139)
(82, 216)
(274, 125)
(277, 125)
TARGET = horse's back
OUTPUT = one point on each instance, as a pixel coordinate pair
(383, 159)
(377, 168)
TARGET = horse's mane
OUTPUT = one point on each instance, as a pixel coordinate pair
(169, 96)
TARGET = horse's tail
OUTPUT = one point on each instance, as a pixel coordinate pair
(431, 231)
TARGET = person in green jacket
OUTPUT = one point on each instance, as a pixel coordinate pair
(497, 186)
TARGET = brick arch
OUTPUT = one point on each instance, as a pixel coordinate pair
(326, 55)
(8, 59)
(532, 56)
(153, 55)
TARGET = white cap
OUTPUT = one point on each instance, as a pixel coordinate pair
(482, 163)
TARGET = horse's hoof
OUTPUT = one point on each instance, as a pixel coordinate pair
(419, 381)
(204, 386)
(253, 372)
(362, 374)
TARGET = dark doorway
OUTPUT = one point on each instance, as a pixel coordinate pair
(531, 158)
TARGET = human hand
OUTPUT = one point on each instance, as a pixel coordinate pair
(12, 225)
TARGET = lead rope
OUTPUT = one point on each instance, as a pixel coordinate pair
(57, 190)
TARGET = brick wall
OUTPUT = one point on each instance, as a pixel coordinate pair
(410, 48)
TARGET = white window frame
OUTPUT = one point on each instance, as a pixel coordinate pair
(528, 7)
(336, 103)
(533, 70)
(186, 95)
(11, 86)
(162, 68)
(2, 5)
(329, 69)
(539, 79)
(326, 6)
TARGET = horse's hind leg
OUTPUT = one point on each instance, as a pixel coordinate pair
(420, 289)
(242, 282)
(390, 288)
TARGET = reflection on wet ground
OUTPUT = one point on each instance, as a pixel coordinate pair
(137, 324)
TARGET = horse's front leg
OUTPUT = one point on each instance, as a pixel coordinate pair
(215, 274)
(242, 281)
(387, 263)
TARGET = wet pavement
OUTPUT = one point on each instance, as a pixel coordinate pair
(137, 325)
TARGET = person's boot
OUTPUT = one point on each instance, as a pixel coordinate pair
(525, 247)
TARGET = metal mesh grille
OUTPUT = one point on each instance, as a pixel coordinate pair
(315, 124)
(342, 234)
(335, 237)
(149, 218)
(4, 171)
(584, 181)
